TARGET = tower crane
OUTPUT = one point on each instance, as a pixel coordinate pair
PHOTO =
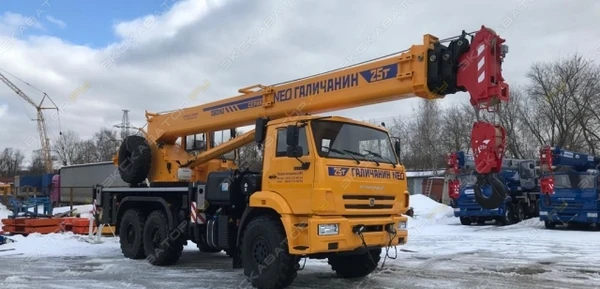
(41, 122)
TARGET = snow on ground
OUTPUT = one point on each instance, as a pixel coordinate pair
(440, 253)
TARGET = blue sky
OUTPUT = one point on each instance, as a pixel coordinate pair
(87, 22)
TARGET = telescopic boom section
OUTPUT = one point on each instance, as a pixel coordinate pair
(430, 70)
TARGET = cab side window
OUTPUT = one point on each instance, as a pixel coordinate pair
(282, 142)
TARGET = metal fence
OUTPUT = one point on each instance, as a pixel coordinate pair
(73, 195)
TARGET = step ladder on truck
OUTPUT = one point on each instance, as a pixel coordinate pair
(518, 191)
(323, 191)
(570, 191)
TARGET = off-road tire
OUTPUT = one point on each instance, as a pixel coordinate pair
(160, 249)
(465, 221)
(355, 266)
(131, 232)
(265, 255)
(134, 158)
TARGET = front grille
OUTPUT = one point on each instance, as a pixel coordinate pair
(368, 202)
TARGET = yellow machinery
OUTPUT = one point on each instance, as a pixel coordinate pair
(330, 187)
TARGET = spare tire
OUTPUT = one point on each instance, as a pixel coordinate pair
(498, 192)
(135, 159)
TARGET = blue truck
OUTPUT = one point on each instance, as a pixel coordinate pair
(570, 191)
(520, 180)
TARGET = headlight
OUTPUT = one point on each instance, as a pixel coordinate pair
(543, 213)
(592, 215)
(402, 226)
(328, 229)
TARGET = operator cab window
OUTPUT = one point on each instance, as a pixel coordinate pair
(282, 142)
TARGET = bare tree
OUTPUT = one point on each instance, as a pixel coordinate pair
(105, 144)
(66, 147)
(11, 161)
(37, 164)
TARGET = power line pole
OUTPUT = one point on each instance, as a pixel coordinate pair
(124, 125)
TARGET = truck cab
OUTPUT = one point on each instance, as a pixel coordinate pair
(575, 199)
(336, 170)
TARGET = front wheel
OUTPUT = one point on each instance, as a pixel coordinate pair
(265, 255)
(465, 221)
(131, 232)
(355, 266)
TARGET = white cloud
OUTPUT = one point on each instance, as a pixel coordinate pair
(56, 21)
(161, 58)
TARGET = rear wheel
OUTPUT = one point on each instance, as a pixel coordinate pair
(508, 218)
(355, 266)
(519, 212)
(265, 257)
(131, 231)
(161, 247)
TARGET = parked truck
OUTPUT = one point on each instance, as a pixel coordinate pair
(519, 180)
(570, 191)
(330, 187)
(74, 183)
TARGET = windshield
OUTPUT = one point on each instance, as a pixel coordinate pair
(574, 180)
(341, 140)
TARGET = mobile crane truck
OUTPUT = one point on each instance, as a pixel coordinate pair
(569, 183)
(520, 182)
(330, 187)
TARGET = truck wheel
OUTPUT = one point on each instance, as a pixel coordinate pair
(549, 225)
(465, 221)
(135, 158)
(355, 266)
(519, 212)
(160, 248)
(508, 218)
(131, 231)
(265, 257)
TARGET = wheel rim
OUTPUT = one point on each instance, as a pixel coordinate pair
(156, 238)
(130, 234)
(260, 250)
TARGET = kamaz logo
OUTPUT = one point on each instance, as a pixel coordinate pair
(371, 202)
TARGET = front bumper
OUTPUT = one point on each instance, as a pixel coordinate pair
(468, 212)
(583, 216)
(306, 240)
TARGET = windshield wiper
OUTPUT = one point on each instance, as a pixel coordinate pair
(342, 153)
(380, 156)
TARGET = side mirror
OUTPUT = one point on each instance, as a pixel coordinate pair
(292, 136)
(294, 151)
(397, 148)
(260, 131)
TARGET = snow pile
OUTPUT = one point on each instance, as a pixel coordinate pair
(60, 244)
(4, 213)
(427, 209)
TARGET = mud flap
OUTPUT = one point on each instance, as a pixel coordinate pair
(498, 191)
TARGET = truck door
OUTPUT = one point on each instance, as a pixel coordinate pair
(283, 175)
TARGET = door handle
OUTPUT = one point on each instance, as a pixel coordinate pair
(272, 176)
